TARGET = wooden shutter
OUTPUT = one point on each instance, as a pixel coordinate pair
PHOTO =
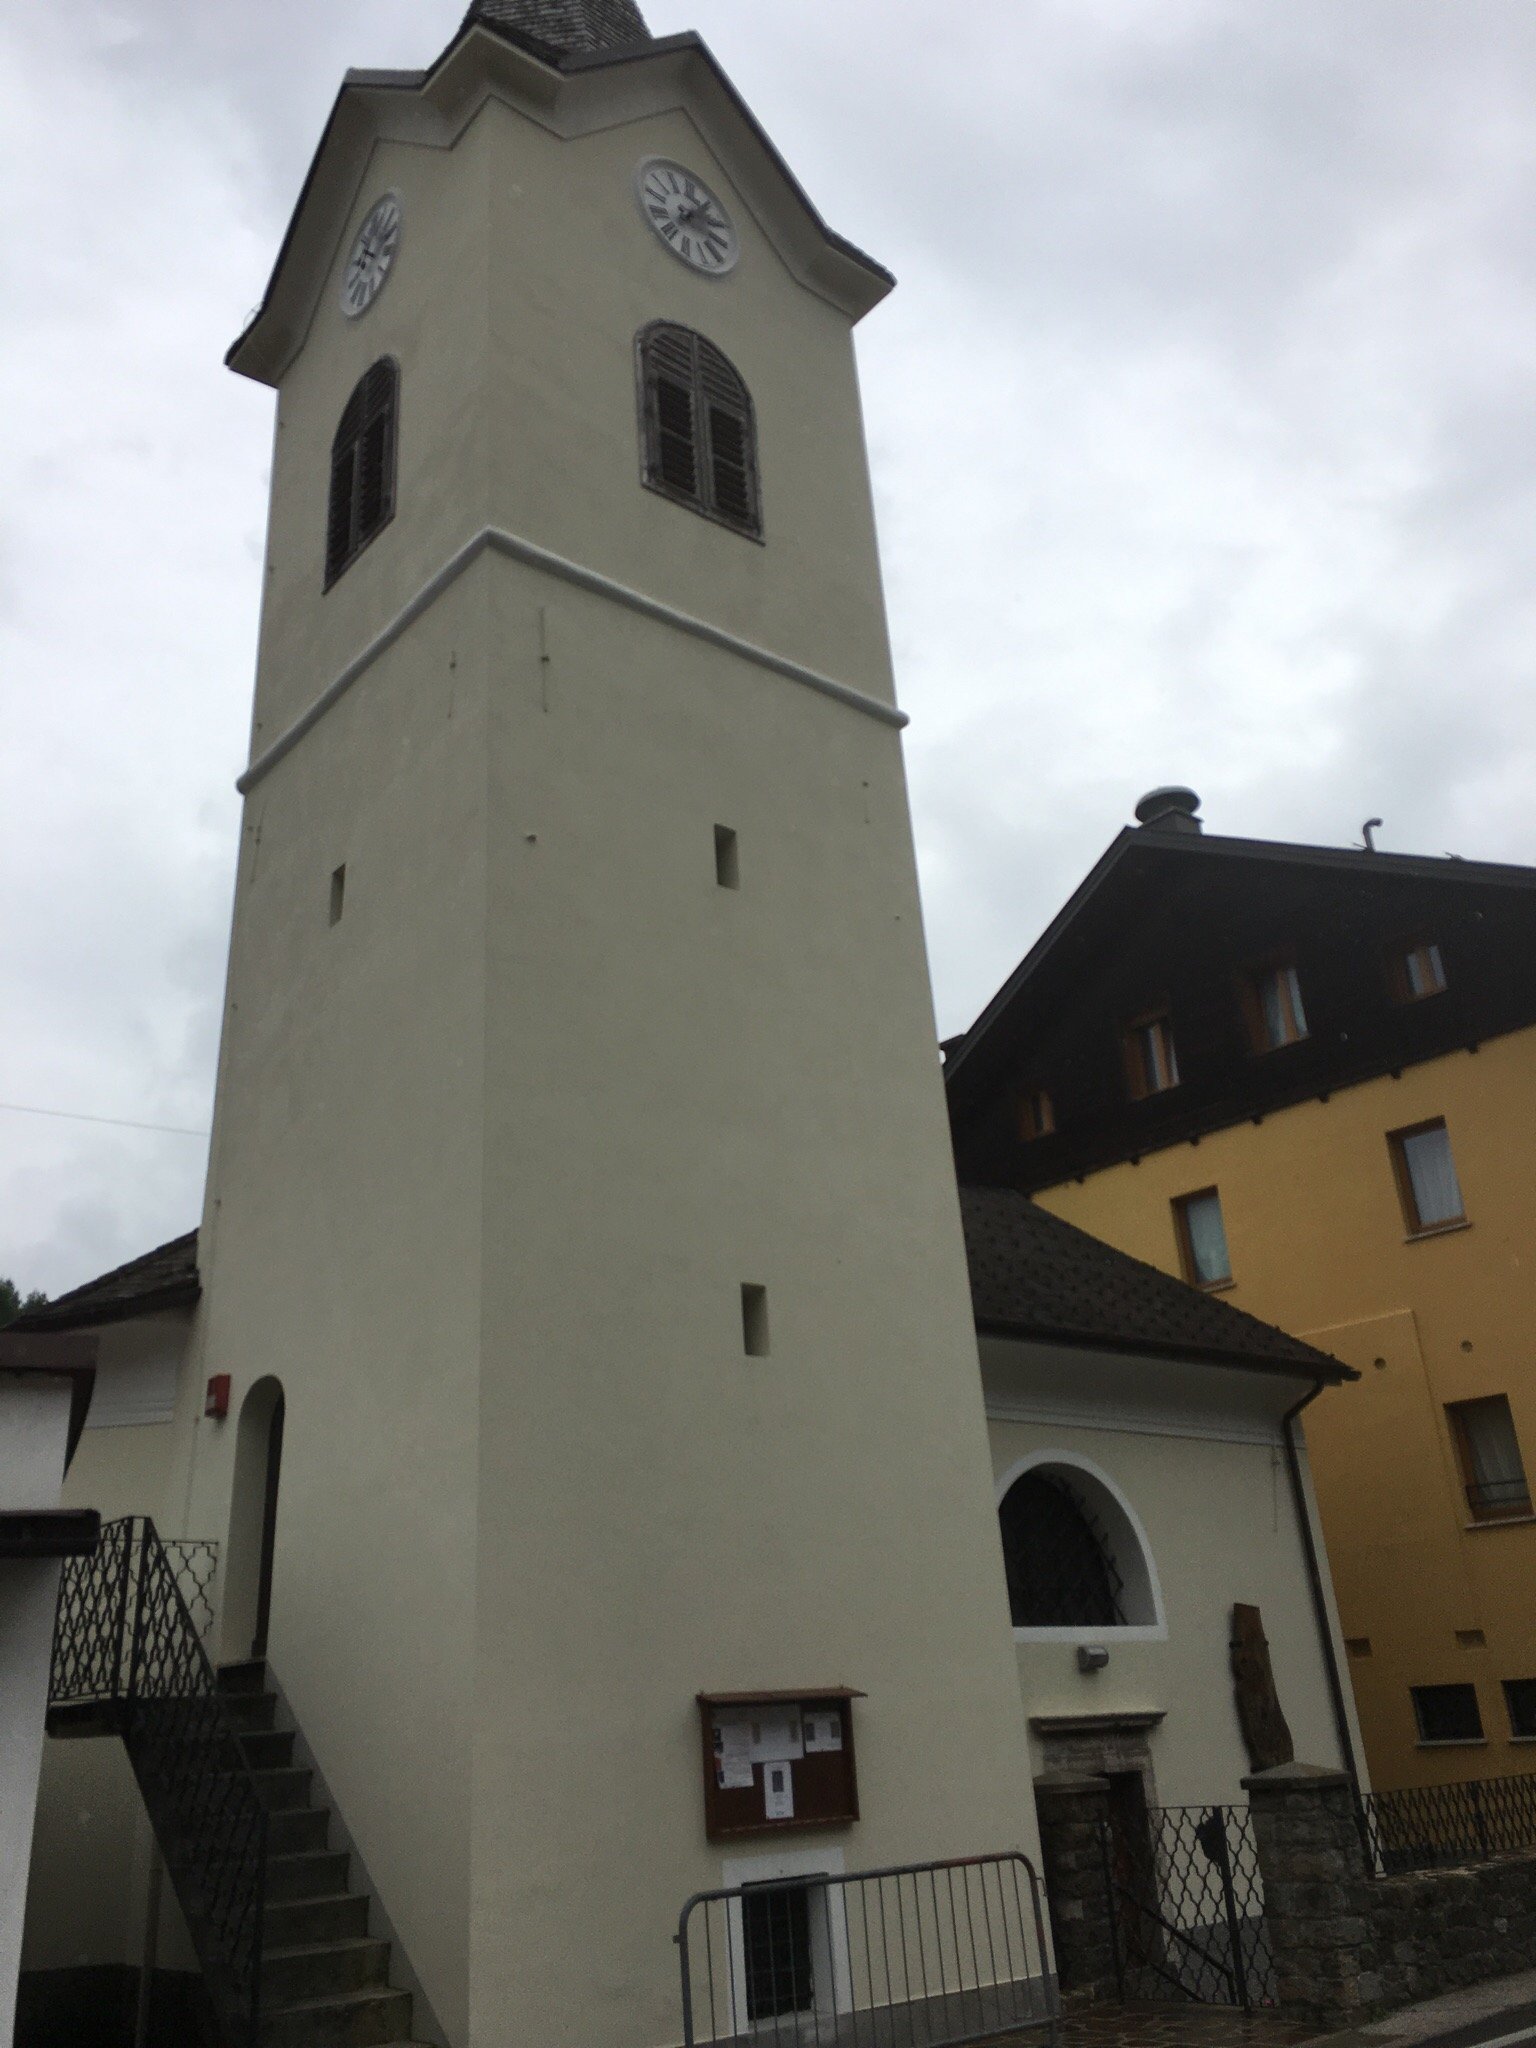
(699, 435)
(362, 467)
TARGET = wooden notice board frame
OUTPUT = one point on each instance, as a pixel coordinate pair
(824, 1782)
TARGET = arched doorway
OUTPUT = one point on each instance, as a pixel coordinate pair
(253, 1521)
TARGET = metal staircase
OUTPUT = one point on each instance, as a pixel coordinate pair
(281, 1938)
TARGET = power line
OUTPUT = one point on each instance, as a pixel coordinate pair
(121, 1123)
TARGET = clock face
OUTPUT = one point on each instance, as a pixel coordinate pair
(372, 254)
(687, 216)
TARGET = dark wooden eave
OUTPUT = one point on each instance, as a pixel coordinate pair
(1179, 918)
(49, 1532)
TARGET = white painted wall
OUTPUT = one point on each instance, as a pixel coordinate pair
(34, 1434)
(494, 1154)
(1196, 1453)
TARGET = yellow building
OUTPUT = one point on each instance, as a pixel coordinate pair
(1304, 1077)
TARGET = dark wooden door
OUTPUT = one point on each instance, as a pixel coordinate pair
(268, 1529)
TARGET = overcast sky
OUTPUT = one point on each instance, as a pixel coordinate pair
(1202, 427)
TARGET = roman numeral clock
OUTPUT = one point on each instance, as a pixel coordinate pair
(687, 216)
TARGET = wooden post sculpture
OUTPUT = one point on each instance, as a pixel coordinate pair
(1265, 1732)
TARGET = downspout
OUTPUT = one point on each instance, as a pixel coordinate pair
(1315, 1579)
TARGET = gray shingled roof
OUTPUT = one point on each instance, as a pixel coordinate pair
(565, 24)
(1034, 1275)
(164, 1278)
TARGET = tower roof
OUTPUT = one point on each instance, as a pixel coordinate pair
(565, 24)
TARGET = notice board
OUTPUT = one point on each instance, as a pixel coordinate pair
(776, 1760)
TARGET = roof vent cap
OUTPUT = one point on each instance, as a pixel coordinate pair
(1171, 809)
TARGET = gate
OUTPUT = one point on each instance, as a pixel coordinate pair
(1186, 1907)
(924, 1955)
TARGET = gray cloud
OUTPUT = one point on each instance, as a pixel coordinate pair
(1201, 426)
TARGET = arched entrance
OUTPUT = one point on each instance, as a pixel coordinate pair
(253, 1521)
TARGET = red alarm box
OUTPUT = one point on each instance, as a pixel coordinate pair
(217, 1403)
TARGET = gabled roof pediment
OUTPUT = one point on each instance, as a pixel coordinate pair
(571, 91)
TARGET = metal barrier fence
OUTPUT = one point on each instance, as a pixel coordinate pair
(1186, 1908)
(91, 1636)
(1432, 1826)
(921, 1955)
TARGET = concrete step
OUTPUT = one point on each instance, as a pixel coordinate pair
(247, 1677)
(250, 1710)
(306, 1923)
(267, 1749)
(307, 1874)
(283, 1789)
(289, 1976)
(297, 1827)
(361, 2019)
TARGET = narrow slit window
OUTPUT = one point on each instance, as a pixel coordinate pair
(338, 891)
(1202, 1235)
(362, 499)
(699, 428)
(1492, 1469)
(1426, 1176)
(754, 1320)
(727, 858)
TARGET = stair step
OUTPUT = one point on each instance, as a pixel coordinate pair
(297, 1827)
(309, 1874)
(359, 2020)
(268, 1750)
(250, 1711)
(322, 1970)
(305, 1923)
(247, 1677)
(284, 1788)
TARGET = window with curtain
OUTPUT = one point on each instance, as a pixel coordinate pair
(699, 430)
(1151, 1064)
(1202, 1234)
(1060, 1572)
(1277, 1014)
(1420, 972)
(1426, 1176)
(1492, 1469)
(362, 499)
(1520, 1699)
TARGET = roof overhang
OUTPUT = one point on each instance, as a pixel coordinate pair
(49, 1532)
(574, 95)
(1322, 1370)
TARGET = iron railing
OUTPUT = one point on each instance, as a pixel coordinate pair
(922, 1955)
(127, 1641)
(91, 1636)
(1432, 1826)
(1186, 1908)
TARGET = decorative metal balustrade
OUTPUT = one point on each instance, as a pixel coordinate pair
(1433, 1826)
(129, 1643)
(1186, 1908)
(924, 1955)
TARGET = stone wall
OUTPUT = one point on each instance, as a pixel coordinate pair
(1348, 1945)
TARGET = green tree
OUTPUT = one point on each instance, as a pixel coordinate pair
(14, 1303)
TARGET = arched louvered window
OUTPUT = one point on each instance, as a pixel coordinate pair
(363, 467)
(700, 435)
(1060, 1572)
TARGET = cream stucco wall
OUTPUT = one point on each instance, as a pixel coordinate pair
(494, 1154)
(1196, 1453)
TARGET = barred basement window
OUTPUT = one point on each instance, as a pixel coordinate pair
(699, 431)
(363, 467)
(1060, 1572)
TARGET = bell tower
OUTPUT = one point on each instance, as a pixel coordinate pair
(580, 1162)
